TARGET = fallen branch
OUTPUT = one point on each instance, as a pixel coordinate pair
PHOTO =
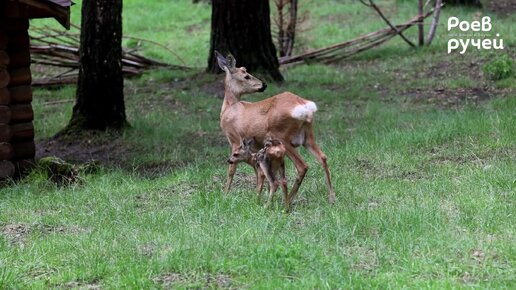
(351, 47)
(373, 5)
(60, 49)
(435, 21)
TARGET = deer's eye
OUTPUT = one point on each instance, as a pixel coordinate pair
(247, 77)
(235, 154)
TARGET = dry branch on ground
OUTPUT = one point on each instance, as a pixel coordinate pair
(349, 48)
(61, 49)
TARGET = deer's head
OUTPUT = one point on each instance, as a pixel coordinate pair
(238, 80)
(243, 152)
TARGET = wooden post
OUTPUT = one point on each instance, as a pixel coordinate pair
(421, 28)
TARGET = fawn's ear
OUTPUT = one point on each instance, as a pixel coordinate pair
(249, 142)
(221, 61)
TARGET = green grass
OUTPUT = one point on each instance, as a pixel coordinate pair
(423, 171)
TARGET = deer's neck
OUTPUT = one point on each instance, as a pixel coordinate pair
(230, 99)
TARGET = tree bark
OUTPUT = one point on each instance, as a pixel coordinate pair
(100, 97)
(243, 28)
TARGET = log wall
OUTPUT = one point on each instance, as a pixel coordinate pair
(17, 147)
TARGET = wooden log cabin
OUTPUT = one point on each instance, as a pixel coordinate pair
(17, 147)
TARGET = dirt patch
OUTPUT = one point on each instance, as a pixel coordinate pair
(204, 281)
(214, 88)
(93, 285)
(157, 169)
(241, 180)
(378, 170)
(16, 233)
(93, 145)
(451, 98)
(443, 155)
(364, 259)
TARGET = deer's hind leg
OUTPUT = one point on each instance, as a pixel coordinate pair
(301, 168)
(314, 149)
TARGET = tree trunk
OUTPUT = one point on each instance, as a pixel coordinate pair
(464, 2)
(100, 96)
(421, 25)
(243, 28)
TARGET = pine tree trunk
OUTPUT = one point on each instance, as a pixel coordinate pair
(243, 28)
(100, 96)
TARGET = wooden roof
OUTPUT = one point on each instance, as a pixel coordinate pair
(59, 9)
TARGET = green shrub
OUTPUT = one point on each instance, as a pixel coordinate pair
(499, 68)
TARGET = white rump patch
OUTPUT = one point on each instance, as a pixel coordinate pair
(304, 112)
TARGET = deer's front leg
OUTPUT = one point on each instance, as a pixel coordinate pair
(231, 173)
(283, 182)
(260, 177)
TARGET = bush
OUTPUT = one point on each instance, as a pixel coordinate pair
(499, 68)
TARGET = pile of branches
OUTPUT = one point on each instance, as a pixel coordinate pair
(351, 47)
(60, 49)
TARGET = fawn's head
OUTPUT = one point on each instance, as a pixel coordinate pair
(238, 80)
(243, 152)
(274, 148)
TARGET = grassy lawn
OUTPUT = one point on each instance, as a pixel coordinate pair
(421, 145)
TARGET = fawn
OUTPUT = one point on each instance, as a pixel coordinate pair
(267, 162)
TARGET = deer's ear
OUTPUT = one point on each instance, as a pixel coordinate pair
(231, 61)
(221, 60)
(249, 142)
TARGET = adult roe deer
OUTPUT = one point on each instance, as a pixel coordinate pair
(286, 116)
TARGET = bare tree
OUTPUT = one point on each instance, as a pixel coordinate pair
(286, 26)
